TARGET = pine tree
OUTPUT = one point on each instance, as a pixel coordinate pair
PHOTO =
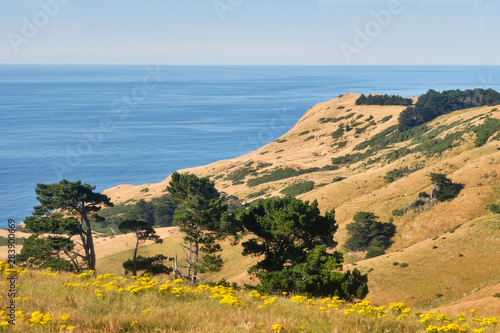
(202, 215)
(66, 209)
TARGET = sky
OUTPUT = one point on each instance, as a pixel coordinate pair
(250, 32)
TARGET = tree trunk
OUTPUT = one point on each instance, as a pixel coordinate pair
(135, 256)
(89, 245)
(84, 238)
(189, 260)
(194, 258)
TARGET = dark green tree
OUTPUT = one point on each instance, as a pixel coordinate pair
(202, 215)
(366, 232)
(149, 265)
(286, 229)
(43, 252)
(66, 208)
(143, 232)
(145, 211)
(292, 236)
(444, 189)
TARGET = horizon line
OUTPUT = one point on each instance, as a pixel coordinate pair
(249, 65)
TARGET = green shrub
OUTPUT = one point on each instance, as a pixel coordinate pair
(298, 188)
(374, 251)
(309, 138)
(494, 208)
(256, 194)
(438, 146)
(145, 189)
(280, 174)
(361, 129)
(338, 133)
(340, 107)
(397, 212)
(386, 119)
(395, 263)
(338, 179)
(423, 195)
(341, 144)
(395, 174)
(403, 265)
(304, 133)
(452, 230)
(486, 130)
(345, 159)
(417, 204)
(240, 174)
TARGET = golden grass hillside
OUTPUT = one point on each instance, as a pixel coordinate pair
(310, 144)
(451, 248)
(53, 302)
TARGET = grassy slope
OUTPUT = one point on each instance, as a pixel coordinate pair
(430, 272)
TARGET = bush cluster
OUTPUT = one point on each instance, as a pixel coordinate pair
(299, 188)
(383, 100)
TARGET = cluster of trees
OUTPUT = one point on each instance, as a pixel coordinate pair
(157, 212)
(383, 100)
(433, 104)
(366, 233)
(292, 237)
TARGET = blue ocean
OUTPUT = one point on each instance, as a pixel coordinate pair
(109, 125)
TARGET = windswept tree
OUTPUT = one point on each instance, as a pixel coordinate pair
(367, 232)
(444, 189)
(202, 215)
(143, 232)
(293, 236)
(66, 209)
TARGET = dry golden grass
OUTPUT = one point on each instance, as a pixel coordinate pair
(51, 302)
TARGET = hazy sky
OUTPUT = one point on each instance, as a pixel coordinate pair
(288, 32)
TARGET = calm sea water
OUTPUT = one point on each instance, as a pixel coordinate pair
(109, 125)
